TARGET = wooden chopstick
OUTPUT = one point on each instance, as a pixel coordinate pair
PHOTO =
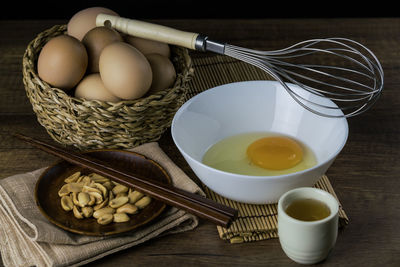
(193, 203)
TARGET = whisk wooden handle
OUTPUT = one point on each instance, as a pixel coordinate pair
(149, 30)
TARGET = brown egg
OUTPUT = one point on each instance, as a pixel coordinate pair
(125, 71)
(92, 88)
(95, 40)
(148, 46)
(164, 73)
(85, 20)
(62, 62)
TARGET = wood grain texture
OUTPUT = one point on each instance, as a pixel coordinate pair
(365, 175)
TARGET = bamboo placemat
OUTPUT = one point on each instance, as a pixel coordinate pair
(254, 222)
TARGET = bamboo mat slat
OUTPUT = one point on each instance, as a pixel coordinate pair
(259, 222)
(254, 222)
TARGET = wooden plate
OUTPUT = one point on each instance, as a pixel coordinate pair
(50, 182)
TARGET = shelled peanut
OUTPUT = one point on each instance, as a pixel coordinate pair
(101, 198)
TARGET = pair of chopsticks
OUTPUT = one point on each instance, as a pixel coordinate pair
(193, 203)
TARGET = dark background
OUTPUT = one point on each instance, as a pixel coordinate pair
(170, 9)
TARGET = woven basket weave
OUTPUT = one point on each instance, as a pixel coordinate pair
(99, 124)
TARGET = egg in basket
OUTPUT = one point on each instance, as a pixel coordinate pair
(92, 87)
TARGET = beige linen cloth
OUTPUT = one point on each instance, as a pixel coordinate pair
(28, 239)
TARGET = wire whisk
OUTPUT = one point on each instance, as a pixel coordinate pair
(354, 83)
(337, 77)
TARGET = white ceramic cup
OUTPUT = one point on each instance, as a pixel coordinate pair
(307, 242)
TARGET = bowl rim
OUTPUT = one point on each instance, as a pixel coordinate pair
(331, 157)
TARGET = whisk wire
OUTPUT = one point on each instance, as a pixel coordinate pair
(353, 88)
(314, 68)
(355, 93)
(275, 74)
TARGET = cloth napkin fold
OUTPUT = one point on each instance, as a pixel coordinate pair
(27, 238)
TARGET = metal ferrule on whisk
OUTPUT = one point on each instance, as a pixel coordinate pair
(203, 44)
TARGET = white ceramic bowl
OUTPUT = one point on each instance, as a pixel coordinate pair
(255, 106)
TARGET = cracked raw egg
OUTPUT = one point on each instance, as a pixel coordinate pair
(259, 154)
(275, 152)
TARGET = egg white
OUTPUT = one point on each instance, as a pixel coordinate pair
(229, 155)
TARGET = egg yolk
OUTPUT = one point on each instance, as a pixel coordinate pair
(275, 153)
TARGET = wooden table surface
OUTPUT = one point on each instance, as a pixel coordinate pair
(365, 175)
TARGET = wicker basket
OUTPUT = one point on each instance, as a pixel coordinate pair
(99, 124)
